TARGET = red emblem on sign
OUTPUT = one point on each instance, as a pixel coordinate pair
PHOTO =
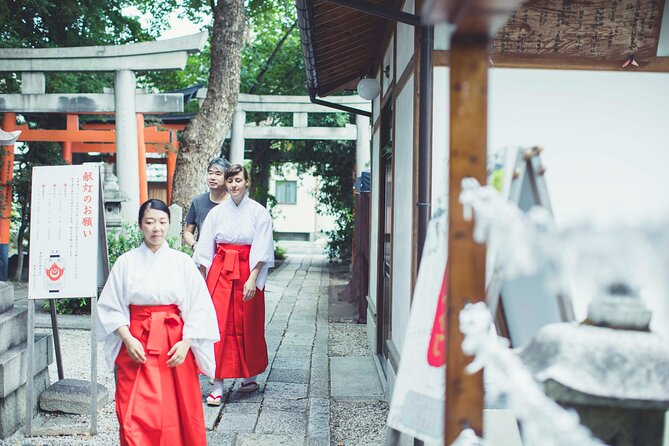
(436, 351)
(55, 272)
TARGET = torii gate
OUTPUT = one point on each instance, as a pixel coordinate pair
(124, 60)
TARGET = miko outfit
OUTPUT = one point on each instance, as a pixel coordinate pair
(233, 240)
(162, 298)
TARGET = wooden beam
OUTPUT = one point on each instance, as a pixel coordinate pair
(650, 65)
(466, 274)
(82, 147)
(151, 134)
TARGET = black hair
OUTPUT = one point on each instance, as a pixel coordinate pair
(152, 203)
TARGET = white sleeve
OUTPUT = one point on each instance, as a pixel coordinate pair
(206, 245)
(113, 311)
(262, 247)
(199, 316)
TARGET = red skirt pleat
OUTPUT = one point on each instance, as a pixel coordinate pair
(158, 405)
(242, 350)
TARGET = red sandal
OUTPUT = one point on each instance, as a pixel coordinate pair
(214, 400)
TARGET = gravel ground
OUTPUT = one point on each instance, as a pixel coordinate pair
(357, 423)
(76, 347)
(348, 340)
(354, 423)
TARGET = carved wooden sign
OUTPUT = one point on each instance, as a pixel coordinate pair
(589, 29)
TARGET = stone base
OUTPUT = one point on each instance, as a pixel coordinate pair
(623, 427)
(71, 396)
(13, 408)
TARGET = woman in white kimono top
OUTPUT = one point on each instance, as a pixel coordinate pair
(234, 252)
(159, 327)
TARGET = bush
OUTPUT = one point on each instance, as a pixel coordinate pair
(118, 242)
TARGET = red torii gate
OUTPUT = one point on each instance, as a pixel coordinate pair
(99, 138)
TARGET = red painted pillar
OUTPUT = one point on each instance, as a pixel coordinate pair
(171, 165)
(6, 176)
(141, 150)
(72, 125)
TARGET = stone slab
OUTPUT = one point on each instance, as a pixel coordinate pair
(13, 408)
(269, 440)
(71, 396)
(221, 438)
(319, 419)
(250, 407)
(282, 422)
(14, 363)
(355, 378)
(13, 327)
(290, 391)
(237, 422)
(289, 405)
(298, 376)
(6, 296)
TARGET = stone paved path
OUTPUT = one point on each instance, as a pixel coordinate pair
(292, 405)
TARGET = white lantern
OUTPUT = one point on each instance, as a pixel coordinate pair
(368, 88)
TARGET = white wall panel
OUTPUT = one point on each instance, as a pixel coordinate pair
(405, 40)
(440, 138)
(402, 212)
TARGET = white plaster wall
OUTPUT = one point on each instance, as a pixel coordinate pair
(442, 36)
(374, 216)
(405, 40)
(402, 212)
(388, 61)
(440, 138)
(302, 216)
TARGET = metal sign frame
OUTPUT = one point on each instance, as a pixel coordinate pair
(526, 188)
(102, 273)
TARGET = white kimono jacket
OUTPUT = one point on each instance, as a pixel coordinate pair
(248, 223)
(142, 277)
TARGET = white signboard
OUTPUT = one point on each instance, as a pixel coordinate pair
(417, 405)
(66, 226)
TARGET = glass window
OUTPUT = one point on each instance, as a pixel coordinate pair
(286, 192)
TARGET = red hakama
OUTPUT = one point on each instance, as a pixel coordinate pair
(158, 405)
(242, 351)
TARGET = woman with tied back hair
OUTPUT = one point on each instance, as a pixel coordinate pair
(158, 324)
(234, 253)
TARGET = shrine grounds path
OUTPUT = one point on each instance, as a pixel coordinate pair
(321, 386)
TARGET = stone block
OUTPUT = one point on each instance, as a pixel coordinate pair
(13, 408)
(319, 419)
(269, 440)
(288, 391)
(6, 296)
(282, 422)
(237, 422)
(284, 404)
(71, 396)
(365, 386)
(298, 376)
(14, 363)
(13, 327)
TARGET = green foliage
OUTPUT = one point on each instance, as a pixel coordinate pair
(279, 252)
(46, 23)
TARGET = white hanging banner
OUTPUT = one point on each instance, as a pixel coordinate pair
(417, 405)
(66, 226)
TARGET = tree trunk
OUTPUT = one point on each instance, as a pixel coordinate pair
(204, 136)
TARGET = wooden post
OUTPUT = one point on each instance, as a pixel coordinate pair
(466, 273)
(141, 152)
(72, 126)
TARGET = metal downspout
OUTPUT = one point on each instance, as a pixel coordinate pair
(424, 134)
